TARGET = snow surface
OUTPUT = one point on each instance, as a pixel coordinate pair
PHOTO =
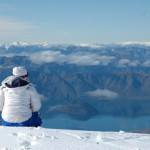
(23, 138)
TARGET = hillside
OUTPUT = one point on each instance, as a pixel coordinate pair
(14, 138)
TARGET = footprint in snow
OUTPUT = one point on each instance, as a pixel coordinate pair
(86, 137)
(13, 134)
(23, 142)
(24, 145)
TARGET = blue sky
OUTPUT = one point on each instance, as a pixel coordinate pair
(74, 21)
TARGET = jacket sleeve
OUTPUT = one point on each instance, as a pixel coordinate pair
(35, 100)
(1, 98)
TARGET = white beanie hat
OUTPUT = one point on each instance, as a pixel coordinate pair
(19, 71)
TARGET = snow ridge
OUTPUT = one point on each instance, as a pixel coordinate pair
(93, 46)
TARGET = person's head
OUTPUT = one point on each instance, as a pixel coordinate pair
(20, 71)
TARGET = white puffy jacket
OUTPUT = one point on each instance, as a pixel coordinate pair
(17, 104)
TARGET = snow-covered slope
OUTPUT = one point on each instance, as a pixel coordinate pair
(17, 138)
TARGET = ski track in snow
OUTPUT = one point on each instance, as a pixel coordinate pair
(13, 138)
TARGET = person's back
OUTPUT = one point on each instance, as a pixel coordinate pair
(19, 100)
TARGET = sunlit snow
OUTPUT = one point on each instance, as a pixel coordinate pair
(23, 138)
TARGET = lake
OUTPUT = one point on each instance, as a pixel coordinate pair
(98, 123)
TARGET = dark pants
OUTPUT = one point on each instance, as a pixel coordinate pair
(34, 121)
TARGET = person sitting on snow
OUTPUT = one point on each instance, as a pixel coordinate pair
(19, 100)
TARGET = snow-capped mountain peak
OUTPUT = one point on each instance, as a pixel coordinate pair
(134, 43)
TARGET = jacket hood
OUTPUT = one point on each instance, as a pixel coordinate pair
(13, 82)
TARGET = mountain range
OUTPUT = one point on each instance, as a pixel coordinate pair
(98, 75)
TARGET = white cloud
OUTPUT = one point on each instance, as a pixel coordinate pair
(58, 57)
(103, 94)
(78, 59)
(83, 59)
(146, 63)
(126, 62)
(47, 57)
(89, 59)
(123, 62)
(134, 63)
